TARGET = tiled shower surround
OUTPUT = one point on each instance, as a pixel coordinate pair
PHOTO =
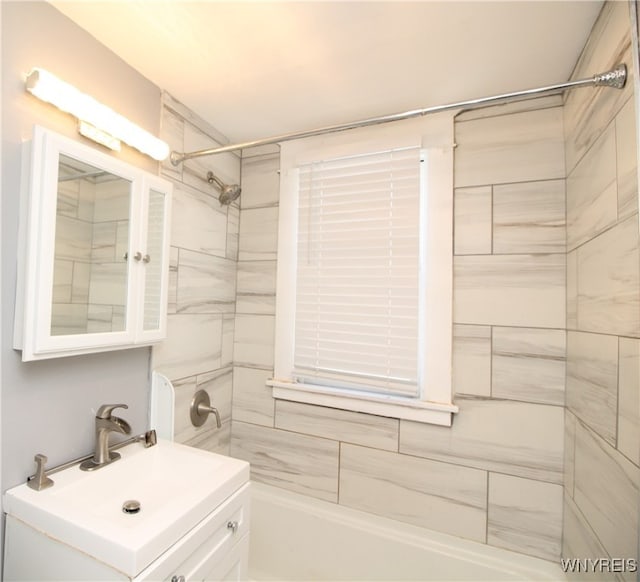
(525, 282)
(495, 476)
(545, 336)
(602, 437)
(198, 352)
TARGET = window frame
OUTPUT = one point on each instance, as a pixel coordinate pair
(434, 135)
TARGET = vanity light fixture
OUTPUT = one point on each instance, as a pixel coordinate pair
(97, 121)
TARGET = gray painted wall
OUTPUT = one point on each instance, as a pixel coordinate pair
(49, 406)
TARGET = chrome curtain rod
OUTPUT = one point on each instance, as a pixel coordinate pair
(614, 78)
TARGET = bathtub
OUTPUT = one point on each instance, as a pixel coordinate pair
(294, 537)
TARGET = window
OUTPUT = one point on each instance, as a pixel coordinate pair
(363, 314)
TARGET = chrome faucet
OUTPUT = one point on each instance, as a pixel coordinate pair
(105, 424)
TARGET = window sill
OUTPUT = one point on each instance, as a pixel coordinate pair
(390, 406)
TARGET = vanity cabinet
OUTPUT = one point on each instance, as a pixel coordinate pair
(93, 257)
(214, 550)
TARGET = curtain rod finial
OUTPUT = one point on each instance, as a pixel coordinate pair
(614, 78)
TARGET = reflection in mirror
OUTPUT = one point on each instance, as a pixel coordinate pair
(153, 259)
(91, 243)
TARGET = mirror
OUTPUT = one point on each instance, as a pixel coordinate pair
(90, 257)
(93, 253)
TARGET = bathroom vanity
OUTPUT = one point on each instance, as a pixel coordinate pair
(168, 512)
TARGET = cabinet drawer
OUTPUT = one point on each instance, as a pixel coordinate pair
(212, 538)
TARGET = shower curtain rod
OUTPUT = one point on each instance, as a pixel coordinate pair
(614, 78)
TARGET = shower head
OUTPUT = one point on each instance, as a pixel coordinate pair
(228, 192)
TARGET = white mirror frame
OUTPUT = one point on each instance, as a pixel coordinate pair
(32, 326)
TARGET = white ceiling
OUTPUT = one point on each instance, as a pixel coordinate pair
(258, 68)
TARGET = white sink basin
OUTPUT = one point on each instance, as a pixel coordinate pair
(176, 485)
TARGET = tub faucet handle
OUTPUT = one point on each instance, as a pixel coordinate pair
(201, 408)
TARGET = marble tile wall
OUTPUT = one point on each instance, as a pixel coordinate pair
(509, 355)
(198, 352)
(602, 428)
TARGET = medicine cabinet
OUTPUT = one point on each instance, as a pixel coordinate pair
(93, 256)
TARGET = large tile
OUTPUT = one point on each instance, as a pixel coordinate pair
(300, 463)
(572, 290)
(608, 281)
(629, 399)
(258, 234)
(260, 181)
(520, 147)
(198, 223)
(525, 516)
(580, 542)
(472, 220)
(529, 364)
(254, 341)
(472, 359)
(627, 160)
(592, 372)
(529, 217)
(606, 491)
(592, 202)
(206, 283)
(569, 450)
(233, 231)
(172, 302)
(191, 118)
(517, 438)
(252, 400)
(218, 441)
(586, 113)
(228, 334)
(256, 287)
(518, 290)
(427, 493)
(256, 303)
(342, 425)
(193, 346)
(184, 390)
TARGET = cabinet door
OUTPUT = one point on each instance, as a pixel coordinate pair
(154, 253)
(232, 567)
(75, 279)
(93, 251)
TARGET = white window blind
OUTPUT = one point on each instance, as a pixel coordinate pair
(357, 278)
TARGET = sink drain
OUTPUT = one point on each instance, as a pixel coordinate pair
(131, 507)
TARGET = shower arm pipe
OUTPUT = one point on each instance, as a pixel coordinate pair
(615, 78)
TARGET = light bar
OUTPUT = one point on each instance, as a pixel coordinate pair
(108, 126)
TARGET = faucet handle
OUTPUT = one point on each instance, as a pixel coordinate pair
(106, 409)
(39, 480)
